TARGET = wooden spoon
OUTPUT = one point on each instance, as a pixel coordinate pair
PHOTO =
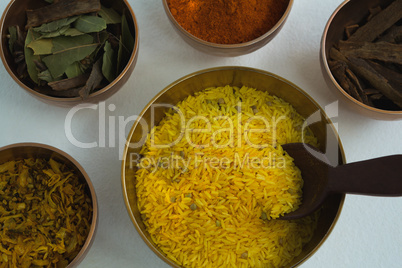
(377, 177)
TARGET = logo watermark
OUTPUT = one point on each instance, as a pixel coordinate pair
(238, 131)
(199, 160)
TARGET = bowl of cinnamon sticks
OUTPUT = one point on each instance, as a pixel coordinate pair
(67, 52)
(361, 56)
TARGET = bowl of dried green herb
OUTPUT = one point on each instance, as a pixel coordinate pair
(361, 56)
(67, 52)
(49, 210)
(227, 28)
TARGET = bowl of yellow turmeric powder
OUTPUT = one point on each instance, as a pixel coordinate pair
(227, 28)
(49, 210)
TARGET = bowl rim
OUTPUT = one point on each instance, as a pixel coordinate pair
(95, 219)
(278, 24)
(167, 88)
(324, 62)
(70, 99)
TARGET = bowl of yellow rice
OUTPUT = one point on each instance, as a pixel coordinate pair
(205, 179)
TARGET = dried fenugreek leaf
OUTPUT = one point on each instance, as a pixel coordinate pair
(109, 15)
(90, 24)
(7, 167)
(46, 213)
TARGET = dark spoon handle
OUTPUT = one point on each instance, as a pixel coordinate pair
(379, 176)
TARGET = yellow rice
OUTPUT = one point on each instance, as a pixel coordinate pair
(203, 200)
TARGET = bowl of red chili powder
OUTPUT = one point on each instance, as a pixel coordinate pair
(227, 27)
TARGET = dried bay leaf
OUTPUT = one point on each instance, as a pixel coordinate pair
(60, 60)
(41, 46)
(56, 33)
(120, 66)
(63, 42)
(126, 45)
(52, 45)
(30, 57)
(109, 62)
(45, 76)
(90, 24)
(72, 32)
(101, 38)
(128, 39)
(74, 70)
(94, 80)
(63, 47)
(12, 31)
(55, 25)
(109, 15)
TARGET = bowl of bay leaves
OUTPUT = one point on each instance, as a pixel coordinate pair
(67, 52)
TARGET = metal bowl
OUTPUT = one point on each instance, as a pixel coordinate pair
(232, 49)
(36, 150)
(348, 13)
(15, 14)
(234, 76)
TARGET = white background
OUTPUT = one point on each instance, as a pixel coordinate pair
(369, 231)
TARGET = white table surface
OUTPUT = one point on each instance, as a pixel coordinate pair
(369, 230)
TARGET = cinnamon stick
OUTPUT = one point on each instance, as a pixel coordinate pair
(69, 93)
(382, 51)
(393, 35)
(69, 83)
(356, 83)
(59, 10)
(338, 69)
(364, 70)
(394, 78)
(379, 23)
